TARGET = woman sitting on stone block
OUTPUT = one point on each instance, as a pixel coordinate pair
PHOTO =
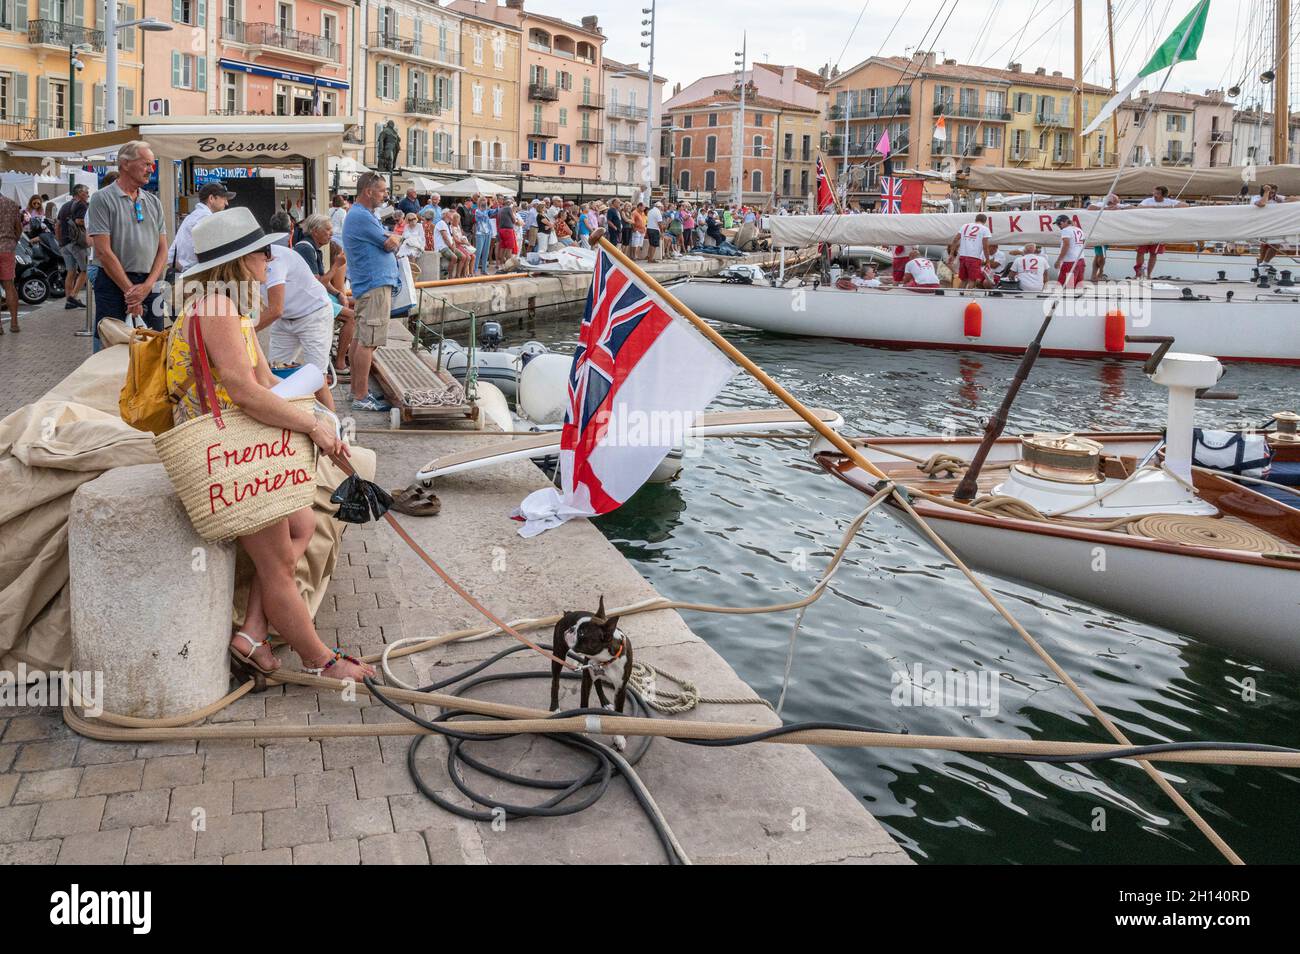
(222, 292)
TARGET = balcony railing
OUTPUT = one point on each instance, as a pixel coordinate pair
(947, 107)
(407, 46)
(589, 134)
(544, 130)
(55, 33)
(268, 34)
(626, 146)
(591, 101)
(897, 107)
(1062, 156)
(1022, 154)
(487, 164)
(944, 147)
(426, 158)
(1049, 118)
(624, 111)
(543, 91)
(1218, 136)
(1183, 159)
(424, 106)
(22, 129)
(835, 146)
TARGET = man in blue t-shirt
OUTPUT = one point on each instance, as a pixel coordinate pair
(373, 274)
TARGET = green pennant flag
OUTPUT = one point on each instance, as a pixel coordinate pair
(1182, 43)
(1178, 48)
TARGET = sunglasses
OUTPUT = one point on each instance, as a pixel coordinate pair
(139, 211)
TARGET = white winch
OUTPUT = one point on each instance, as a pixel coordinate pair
(1062, 473)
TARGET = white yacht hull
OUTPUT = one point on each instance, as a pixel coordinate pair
(1254, 325)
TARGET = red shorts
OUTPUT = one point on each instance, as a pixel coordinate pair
(970, 269)
(1151, 250)
(900, 269)
(1071, 274)
(507, 239)
(7, 264)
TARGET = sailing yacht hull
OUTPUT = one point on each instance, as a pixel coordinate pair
(1262, 328)
(1241, 602)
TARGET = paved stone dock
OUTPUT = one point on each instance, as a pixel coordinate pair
(351, 800)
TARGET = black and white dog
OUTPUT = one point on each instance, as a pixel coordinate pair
(603, 651)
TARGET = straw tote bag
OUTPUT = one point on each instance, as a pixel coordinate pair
(235, 475)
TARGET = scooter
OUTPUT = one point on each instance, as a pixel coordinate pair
(39, 272)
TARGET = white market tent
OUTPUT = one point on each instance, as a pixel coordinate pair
(21, 186)
(470, 185)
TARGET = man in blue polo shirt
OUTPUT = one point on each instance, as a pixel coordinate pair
(373, 274)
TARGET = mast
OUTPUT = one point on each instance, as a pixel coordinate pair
(1114, 117)
(1078, 84)
(1282, 83)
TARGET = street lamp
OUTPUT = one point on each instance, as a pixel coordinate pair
(75, 66)
(649, 30)
(111, 26)
(738, 145)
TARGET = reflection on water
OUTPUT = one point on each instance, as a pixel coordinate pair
(755, 521)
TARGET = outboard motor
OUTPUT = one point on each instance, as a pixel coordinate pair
(489, 338)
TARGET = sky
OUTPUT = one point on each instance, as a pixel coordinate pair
(695, 39)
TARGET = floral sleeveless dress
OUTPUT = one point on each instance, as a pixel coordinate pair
(182, 373)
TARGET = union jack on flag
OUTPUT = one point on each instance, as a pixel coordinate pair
(891, 195)
(639, 373)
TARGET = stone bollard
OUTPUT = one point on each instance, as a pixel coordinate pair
(151, 601)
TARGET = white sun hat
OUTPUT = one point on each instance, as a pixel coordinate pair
(225, 236)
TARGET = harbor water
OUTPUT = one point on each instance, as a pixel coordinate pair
(755, 522)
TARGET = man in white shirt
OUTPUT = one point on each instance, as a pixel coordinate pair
(1158, 199)
(1030, 269)
(1069, 261)
(866, 278)
(971, 245)
(298, 311)
(213, 197)
(920, 271)
(1268, 195)
(652, 223)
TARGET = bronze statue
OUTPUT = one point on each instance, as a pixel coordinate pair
(386, 146)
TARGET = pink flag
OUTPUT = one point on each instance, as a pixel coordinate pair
(882, 146)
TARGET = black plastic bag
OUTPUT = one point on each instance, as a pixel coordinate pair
(360, 501)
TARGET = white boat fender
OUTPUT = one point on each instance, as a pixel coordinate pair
(543, 394)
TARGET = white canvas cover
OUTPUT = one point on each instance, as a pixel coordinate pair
(1224, 223)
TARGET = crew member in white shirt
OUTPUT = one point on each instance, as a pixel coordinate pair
(1069, 261)
(213, 197)
(1268, 195)
(971, 246)
(1030, 269)
(920, 271)
(298, 311)
(1110, 204)
(866, 278)
(1158, 199)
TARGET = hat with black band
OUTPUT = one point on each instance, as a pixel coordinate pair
(225, 236)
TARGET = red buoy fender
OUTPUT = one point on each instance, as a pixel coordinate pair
(973, 320)
(1115, 331)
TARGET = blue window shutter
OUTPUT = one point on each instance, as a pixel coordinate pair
(176, 12)
(176, 70)
(201, 73)
(203, 14)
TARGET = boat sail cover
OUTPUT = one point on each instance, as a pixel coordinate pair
(1224, 223)
(1218, 182)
